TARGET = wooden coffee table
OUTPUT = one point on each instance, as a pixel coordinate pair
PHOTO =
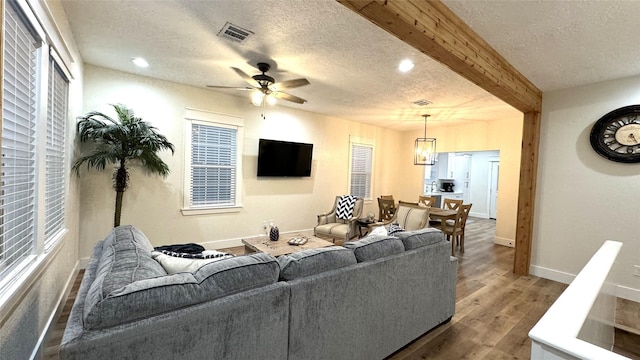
(281, 247)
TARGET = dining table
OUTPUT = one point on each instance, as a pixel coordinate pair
(443, 215)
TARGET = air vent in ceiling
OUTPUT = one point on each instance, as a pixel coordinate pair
(234, 33)
(421, 102)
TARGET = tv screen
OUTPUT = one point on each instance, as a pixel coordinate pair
(283, 158)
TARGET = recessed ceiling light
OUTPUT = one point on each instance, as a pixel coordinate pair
(140, 62)
(405, 65)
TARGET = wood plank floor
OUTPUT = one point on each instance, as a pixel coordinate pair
(495, 309)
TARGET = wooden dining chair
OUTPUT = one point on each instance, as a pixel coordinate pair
(451, 204)
(427, 200)
(386, 209)
(386, 197)
(455, 232)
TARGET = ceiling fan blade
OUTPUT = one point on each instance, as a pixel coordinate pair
(230, 87)
(289, 97)
(246, 77)
(289, 84)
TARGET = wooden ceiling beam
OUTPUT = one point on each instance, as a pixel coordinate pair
(433, 29)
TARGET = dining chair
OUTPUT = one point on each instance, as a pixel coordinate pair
(387, 208)
(455, 232)
(386, 197)
(451, 204)
(427, 200)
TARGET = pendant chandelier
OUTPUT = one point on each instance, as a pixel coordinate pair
(425, 148)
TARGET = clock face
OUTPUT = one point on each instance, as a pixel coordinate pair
(616, 135)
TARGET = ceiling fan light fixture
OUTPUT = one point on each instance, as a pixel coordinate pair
(271, 99)
(256, 97)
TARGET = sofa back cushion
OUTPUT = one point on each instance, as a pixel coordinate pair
(375, 246)
(126, 257)
(313, 261)
(419, 238)
(128, 286)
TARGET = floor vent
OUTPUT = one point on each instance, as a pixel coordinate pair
(234, 33)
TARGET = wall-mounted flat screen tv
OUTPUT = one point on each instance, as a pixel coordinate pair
(284, 158)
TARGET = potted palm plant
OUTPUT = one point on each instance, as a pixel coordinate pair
(122, 141)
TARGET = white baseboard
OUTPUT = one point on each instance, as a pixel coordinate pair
(566, 278)
(38, 351)
(479, 215)
(551, 274)
(504, 242)
(628, 293)
(227, 243)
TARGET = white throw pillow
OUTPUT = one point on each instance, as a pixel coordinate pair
(379, 230)
(173, 265)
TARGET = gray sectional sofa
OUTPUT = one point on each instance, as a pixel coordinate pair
(365, 300)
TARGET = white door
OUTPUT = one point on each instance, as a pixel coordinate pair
(494, 167)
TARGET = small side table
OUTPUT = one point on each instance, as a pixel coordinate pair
(366, 224)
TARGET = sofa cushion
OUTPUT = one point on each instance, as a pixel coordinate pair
(126, 257)
(128, 287)
(313, 261)
(375, 246)
(419, 238)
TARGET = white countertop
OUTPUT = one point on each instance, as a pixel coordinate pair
(440, 193)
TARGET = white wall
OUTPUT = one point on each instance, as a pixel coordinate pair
(153, 204)
(583, 199)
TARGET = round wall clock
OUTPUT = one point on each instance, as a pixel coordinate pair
(616, 135)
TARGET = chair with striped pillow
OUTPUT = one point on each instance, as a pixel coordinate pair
(410, 216)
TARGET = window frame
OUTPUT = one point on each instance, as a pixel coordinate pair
(25, 272)
(207, 118)
(360, 142)
(57, 66)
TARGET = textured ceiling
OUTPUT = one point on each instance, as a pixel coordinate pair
(559, 44)
(352, 64)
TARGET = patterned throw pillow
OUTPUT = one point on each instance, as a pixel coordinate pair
(346, 203)
(394, 228)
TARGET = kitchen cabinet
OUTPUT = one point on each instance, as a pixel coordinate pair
(446, 165)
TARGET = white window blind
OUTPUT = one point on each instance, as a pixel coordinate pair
(361, 159)
(55, 152)
(213, 165)
(18, 174)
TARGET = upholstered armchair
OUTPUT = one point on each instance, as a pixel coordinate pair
(329, 225)
(410, 216)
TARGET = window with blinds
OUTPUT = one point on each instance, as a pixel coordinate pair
(213, 165)
(55, 153)
(18, 171)
(360, 175)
